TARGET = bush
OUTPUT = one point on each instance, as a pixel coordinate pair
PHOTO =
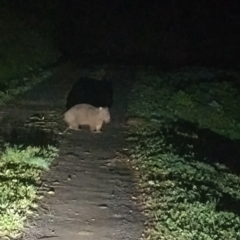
(20, 171)
(184, 198)
(208, 98)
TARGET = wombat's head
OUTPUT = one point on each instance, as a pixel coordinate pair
(105, 115)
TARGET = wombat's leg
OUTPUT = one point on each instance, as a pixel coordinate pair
(70, 127)
(75, 127)
(98, 127)
(93, 128)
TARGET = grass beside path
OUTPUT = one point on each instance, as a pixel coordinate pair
(185, 198)
(20, 172)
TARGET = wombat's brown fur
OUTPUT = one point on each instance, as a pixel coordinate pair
(85, 114)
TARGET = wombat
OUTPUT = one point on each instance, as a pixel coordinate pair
(90, 91)
(85, 114)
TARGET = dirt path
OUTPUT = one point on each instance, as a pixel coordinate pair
(93, 187)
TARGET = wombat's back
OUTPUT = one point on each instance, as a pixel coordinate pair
(81, 114)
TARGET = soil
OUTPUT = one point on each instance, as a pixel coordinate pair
(90, 190)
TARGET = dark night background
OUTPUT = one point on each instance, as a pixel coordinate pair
(166, 34)
(169, 68)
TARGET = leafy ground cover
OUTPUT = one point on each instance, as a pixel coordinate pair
(21, 85)
(25, 51)
(185, 197)
(21, 169)
(208, 98)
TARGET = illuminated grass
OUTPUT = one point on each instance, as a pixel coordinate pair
(20, 172)
(185, 199)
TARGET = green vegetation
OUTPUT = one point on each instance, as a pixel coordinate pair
(21, 170)
(26, 48)
(206, 97)
(185, 199)
(22, 86)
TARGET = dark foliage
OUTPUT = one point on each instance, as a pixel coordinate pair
(91, 91)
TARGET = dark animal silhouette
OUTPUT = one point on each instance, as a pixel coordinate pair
(90, 91)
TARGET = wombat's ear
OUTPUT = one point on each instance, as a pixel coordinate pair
(100, 108)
